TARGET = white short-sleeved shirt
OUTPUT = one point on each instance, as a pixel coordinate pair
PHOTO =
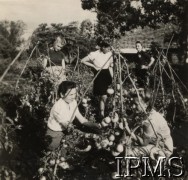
(61, 115)
(99, 59)
(161, 128)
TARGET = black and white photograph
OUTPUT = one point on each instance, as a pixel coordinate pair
(93, 89)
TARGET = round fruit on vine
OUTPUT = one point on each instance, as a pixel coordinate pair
(134, 106)
(125, 92)
(104, 143)
(120, 148)
(62, 158)
(104, 124)
(115, 118)
(115, 153)
(52, 162)
(110, 91)
(84, 101)
(65, 145)
(98, 145)
(107, 120)
(111, 138)
(64, 165)
(87, 135)
(57, 161)
(42, 178)
(110, 143)
(85, 105)
(117, 133)
(95, 136)
(113, 175)
(41, 170)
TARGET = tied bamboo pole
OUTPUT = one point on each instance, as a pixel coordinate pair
(26, 64)
(138, 95)
(77, 59)
(120, 82)
(14, 60)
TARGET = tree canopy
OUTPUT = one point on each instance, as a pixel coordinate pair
(11, 37)
(116, 17)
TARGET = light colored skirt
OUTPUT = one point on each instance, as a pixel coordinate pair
(57, 73)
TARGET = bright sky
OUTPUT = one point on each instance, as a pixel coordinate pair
(34, 12)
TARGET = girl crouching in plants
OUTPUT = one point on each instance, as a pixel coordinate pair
(101, 60)
(63, 113)
(155, 138)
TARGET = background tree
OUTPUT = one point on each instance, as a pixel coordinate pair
(11, 37)
(86, 28)
(116, 17)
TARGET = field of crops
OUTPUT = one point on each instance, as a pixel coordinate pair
(82, 154)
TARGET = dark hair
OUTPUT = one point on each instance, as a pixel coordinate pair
(104, 44)
(138, 42)
(65, 86)
(101, 42)
(145, 95)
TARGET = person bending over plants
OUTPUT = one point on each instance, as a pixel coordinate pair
(101, 60)
(155, 137)
(63, 113)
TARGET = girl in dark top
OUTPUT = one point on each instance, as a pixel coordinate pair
(54, 62)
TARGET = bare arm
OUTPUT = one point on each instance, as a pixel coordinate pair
(135, 137)
(87, 61)
(63, 64)
(152, 60)
(44, 62)
(80, 118)
(111, 69)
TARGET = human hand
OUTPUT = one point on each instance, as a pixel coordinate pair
(70, 127)
(144, 67)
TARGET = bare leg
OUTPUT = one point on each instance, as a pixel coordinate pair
(103, 99)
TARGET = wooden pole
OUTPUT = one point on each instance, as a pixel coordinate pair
(120, 82)
(14, 60)
(26, 64)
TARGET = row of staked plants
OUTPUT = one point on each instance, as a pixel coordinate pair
(81, 154)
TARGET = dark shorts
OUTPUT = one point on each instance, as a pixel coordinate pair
(102, 82)
(142, 77)
(54, 138)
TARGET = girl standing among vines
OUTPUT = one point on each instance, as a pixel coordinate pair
(102, 62)
(54, 62)
(143, 63)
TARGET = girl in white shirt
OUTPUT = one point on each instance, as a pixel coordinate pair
(63, 113)
(101, 60)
